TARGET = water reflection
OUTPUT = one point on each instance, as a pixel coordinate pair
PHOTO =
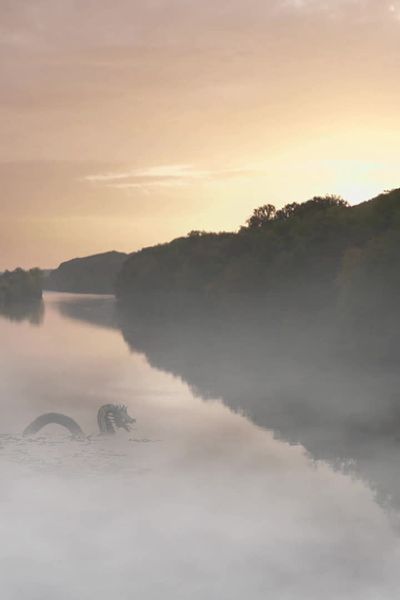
(99, 310)
(345, 414)
(33, 312)
(199, 501)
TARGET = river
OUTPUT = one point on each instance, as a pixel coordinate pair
(208, 497)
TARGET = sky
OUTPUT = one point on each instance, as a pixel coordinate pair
(127, 123)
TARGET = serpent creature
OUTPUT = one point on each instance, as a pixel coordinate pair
(109, 418)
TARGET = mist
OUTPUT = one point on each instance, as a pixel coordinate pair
(241, 477)
(199, 284)
(221, 515)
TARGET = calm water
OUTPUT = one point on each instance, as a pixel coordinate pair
(202, 499)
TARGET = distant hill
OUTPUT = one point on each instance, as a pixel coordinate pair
(88, 275)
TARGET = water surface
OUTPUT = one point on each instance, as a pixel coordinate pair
(225, 489)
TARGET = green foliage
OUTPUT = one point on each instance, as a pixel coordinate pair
(20, 286)
(191, 264)
(321, 257)
(267, 214)
(261, 216)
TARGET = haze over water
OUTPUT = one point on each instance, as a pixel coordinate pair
(198, 501)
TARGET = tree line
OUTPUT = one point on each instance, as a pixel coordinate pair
(20, 286)
(313, 259)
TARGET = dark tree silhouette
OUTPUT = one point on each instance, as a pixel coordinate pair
(318, 256)
(20, 286)
(261, 216)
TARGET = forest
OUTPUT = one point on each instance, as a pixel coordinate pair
(322, 262)
(20, 286)
(94, 274)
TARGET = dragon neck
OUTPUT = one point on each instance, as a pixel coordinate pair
(105, 419)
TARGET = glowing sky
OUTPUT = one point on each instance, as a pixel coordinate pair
(128, 122)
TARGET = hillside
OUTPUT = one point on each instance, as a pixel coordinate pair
(302, 248)
(91, 274)
(320, 261)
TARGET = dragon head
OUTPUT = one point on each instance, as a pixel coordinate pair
(122, 419)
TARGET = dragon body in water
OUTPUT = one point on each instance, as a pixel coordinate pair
(110, 417)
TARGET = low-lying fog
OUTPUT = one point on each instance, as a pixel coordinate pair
(198, 501)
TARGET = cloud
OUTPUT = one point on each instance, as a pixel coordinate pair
(179, 99)
(166, 176)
